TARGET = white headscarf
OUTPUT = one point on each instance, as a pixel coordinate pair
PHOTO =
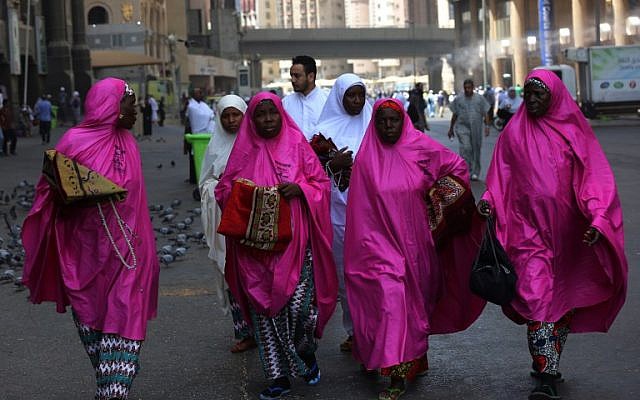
(335, 123)
(213, 164)
(219, 148)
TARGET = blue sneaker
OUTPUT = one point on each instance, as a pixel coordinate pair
(274, 392)
(313, 376)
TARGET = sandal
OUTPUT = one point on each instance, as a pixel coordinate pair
(546, 388)
(243, 345)
(391, 393)
(536, 374)
(544, 392)
(346, 346)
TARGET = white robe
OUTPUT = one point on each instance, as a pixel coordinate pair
(345, 131)
(305, 110)
(213, 165)
(201, 117)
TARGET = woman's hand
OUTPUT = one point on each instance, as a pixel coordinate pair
(290, 190)
(342, 160)
(484, 208)
(591, 236)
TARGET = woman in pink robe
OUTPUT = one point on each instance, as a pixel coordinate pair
(70, 258)
(287, 295)
(400, 287)
(559, 219)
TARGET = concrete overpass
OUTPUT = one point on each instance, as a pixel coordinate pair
(367, 43)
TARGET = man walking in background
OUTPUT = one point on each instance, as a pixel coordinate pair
(307, 100)
(43, 115)
(469, 111)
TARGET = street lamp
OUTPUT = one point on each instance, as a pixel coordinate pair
(484, 44)
(413, 40)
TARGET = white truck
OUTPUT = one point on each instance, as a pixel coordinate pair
(608, 79)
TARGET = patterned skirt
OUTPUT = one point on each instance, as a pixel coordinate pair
(114, 358)
(241, 329)
(285, 339)
(546, 342)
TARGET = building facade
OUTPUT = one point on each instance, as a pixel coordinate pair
(45, 41)
(513, 34)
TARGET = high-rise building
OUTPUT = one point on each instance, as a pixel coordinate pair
(301, 14)
(512, 27)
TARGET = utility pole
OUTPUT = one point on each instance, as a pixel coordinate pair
(484, 45)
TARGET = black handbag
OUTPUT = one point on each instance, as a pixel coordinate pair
(492, 276)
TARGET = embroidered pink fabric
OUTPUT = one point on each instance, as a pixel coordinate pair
(549, 180)
(267, 283)
(69, 258)
(400, 290)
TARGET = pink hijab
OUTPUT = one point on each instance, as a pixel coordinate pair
(548, 181)
(69, 258)
(267, 284)
(400, 290)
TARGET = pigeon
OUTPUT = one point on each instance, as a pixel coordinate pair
(168, 249)
(166, 211)
(181, 226)
(181, 251)
(173, 163)
(166, 259)
(8, 276)
(165, 231)
(159, 166)
(19, 285)
(188, 221)
(168, 217)
(197, 235)
(176, 203)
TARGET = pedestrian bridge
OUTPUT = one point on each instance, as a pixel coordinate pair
(354, 43)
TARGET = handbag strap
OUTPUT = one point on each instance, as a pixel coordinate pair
(491, 226)
(122, 224)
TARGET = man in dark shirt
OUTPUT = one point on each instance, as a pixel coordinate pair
(7, 124)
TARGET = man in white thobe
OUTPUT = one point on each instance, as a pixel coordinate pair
(201, 119)
(201, 116)
(306, 102)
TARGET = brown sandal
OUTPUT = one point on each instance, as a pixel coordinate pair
(243, 345)
(391, 393)
(346, 346)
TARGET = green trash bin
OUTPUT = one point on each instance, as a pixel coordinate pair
(54, 117)
(199, 142)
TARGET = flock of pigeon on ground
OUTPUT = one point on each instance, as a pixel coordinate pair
(175, 232)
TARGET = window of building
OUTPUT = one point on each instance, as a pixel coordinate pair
(98, 15)
(503, 9)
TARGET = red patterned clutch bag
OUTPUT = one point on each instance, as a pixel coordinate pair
(257, 216)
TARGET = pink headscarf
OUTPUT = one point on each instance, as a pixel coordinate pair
(400, 289)
(548, 181)
(268, 283)
(69, 258)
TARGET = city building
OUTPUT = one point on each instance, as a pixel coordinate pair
(42, 47)
(513, 45)
(300, 14)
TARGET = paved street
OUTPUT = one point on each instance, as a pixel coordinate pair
(186, 355)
